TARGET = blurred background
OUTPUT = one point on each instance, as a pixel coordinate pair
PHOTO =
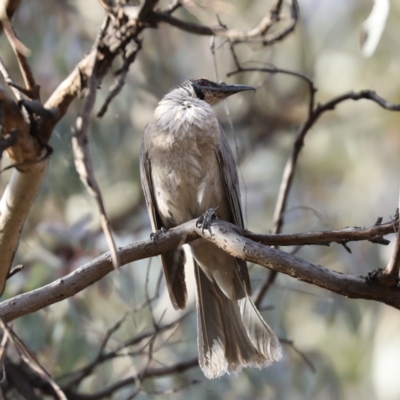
(347, 175)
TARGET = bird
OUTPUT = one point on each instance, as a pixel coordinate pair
(187, 168)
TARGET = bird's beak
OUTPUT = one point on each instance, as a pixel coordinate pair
(231, 89)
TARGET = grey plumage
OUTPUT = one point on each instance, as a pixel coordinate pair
(187, 167)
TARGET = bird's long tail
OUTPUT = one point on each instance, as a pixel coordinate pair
(231, 333)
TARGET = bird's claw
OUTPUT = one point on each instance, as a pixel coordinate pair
(378, 276)
(204, 222)
(373, 276)
(155, 235)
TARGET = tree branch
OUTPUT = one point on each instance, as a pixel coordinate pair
(374, 234)
(258, 33)
(146, 373)
(288, 173)
(314, 115)
(146, 8)
(284, 190)
(8, 7)
(23, 188)
(227, 236)
(82, 158)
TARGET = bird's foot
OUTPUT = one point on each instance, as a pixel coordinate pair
(204, 222)
(155, 235)
(382, 277)
(373, 276)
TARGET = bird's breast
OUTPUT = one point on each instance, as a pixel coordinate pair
(185, 169)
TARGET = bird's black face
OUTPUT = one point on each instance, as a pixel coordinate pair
(212, 93)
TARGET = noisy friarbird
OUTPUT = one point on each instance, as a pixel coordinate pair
(187, 168)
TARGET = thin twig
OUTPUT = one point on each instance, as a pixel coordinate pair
(119, 351)
(257, 34)
(10, 81)
(31, 361)
(275, 70)
(82, 157)
(290, 167)
(142, 375)
(120, 80)
(306, 359)
(270, 279)
(21, 52)
(373, 234)
(288, 174)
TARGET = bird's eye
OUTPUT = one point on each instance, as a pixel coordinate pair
(203, 82)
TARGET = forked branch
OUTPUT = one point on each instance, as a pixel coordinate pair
(225, 235)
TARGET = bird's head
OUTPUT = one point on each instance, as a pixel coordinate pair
(211, 92)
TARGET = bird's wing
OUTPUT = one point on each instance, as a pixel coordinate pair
(148, 190)
(228, 171)
(230, 179)
(173, 261)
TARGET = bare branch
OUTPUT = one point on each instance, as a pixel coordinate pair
(374, 234)
(258, 33)
(120, 80)
(5, 24)
(274, 70)
(9, 7)
(226, 236)
(263, 288)
(15, 205)
(299, 142)
(22, 189)
(103, 356)
(280, 35)
(31, 361)
(83, 162)
(306, 360)
(23, 185)
(10, 82)
(146, 8)
(146, 373)
(290, 167)
(270, 279)
(21, 52)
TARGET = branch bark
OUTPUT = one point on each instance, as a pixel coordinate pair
(373, 234)
(22, 187)
(258, 33)
(226, 236)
